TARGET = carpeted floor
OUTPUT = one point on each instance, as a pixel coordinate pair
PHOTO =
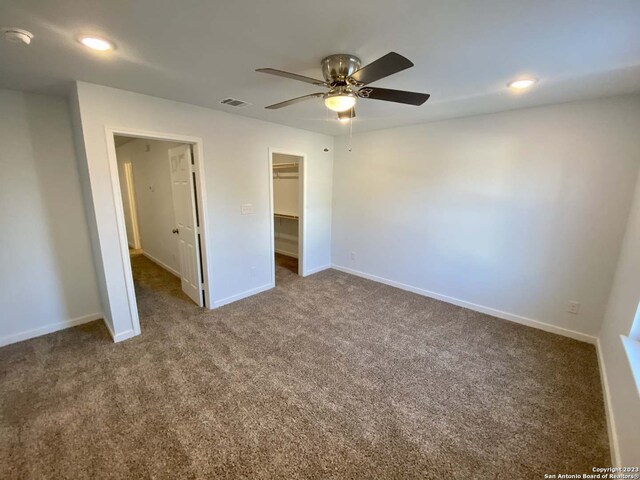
(329, 376)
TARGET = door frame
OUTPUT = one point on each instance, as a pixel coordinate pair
(201, 200)
(302, 208)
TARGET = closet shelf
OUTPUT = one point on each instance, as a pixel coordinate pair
(285, 165)
(282, 215)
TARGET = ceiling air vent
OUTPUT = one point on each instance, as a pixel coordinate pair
(232, 102)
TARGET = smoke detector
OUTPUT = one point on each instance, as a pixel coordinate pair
(17, 35)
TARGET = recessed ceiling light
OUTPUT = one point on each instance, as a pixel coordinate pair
(344, 119)
(522, 83)
(96, 43)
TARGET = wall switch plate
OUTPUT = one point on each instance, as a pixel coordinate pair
(574, 307)
(353, 255)
(246, 209)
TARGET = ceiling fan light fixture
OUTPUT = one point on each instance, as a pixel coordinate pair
(340, 102)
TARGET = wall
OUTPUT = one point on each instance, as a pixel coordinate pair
(47, 276)
(154, 200)
(514, 214)
(286, 183)
(128, 198)
(236, 159)
(624, 402)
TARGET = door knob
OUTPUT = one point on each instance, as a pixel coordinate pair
(175, 230)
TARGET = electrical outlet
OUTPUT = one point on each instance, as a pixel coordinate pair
(353, 255)
(574, 307)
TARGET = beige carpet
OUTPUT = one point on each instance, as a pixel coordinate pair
(330, 376)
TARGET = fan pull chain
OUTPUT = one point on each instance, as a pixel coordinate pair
(350, 130)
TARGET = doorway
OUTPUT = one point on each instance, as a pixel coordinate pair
(287, 172)
(160, 194)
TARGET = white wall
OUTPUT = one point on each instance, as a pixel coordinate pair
(128, 199)
(46, 267)
(236, 159)
(154, 199)
(515, 213)
(624, 401)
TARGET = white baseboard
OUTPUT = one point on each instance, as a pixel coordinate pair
(316, 270)
(284, 252)
(52, 327)
(124, 336)
(161, 264)
(121, 336)
(240, 296)
(583, 337)
(611, 424)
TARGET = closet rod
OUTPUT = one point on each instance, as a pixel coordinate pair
(284, 165)
(283, 215)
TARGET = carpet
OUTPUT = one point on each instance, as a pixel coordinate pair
(329, 376)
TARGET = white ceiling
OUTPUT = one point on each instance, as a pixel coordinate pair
(200, 51)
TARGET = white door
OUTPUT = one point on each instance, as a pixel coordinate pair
(184, 208)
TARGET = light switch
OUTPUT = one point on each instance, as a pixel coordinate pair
(246, 209)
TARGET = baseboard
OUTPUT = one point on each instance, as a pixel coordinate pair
(316, 270)
(583, 337)
(240, 296)
(608, 406)
(285, 253)
(161, 264)
(52, 327)
(121, 336)
(124, 336)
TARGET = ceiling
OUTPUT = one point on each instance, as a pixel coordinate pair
(200, 51)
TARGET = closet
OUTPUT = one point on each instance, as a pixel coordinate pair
(286, 204)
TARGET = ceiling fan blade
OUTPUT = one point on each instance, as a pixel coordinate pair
(397, 96)
(293, 76)
(347, 114)
(383, 67)
(294, 100)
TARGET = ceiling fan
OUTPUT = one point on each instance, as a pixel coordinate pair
(347, 81)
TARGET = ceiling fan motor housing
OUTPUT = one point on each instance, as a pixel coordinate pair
(336, 68)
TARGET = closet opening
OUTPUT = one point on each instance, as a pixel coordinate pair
(287, 206)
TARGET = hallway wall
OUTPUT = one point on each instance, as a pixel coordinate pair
(152, 185)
